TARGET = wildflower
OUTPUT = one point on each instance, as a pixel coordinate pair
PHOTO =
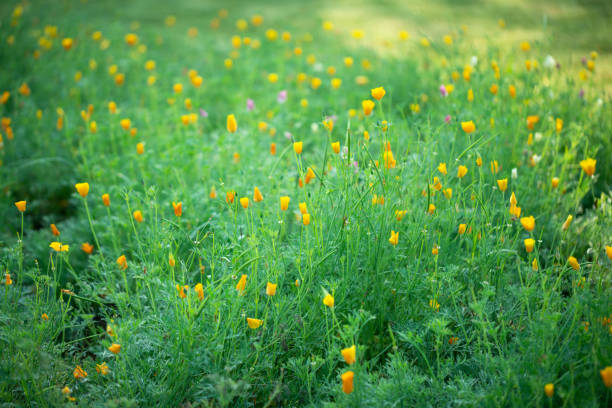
(567, 223)
(44, 316)
(462, 171)
(306, 219)
(232, 125)
(437, 185)
(131, 39)
(434, 305)
(122, 262)
(368, 106)
(512, 91)
(573, 263)
(315, 83)
(554, 182)
(349, 354)
(310, 175)
(329, 124)
(178, 208)
(502, 184)
(468, 127)
(271, 289)
(229, 197)
(24, 89)
(82, 188)
(435, 250)
(257, 196)
(199, 289)
(79, 372)
(102, 368)
(494, 167)
(272, 78)
(588, 166)
(609, 251)
(549, 390)
(328, 300)
(431, 209)
(140, 148)
(461, 229)
(297, 147)
(244, 202)
(138, 215)
(559, 124)
(254, 323)
(399, 214)
(115, 348)
(284, 203)
(529, 244)
(531, 121)
(453, 340)
(606, 376)
(21, 206)
(448, 193)
(213, 192)
(394, 238)
(67, 43)
(442, 168)
(470, 96)
(241, 285)
(66, 390)
(87, 247)
(7, 279)
(59, 247)
(479, 161)
(378, 93)
(171, 260)
(336, 147)
(347, 382)
(528, 223)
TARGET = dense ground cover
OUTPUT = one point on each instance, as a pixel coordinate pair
(207, 207)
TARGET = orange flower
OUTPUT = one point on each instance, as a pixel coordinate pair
(244, 202)
(378, 93)
(306, 219)
(368, 106)
(122, 262)
(531, 121)
(502, 184)
(241, 285)
(131, 39)
(138, 215)
(606, 376)
(115, 348)
(303, 208)
(461, 171)
(272, 149)
(199, 289)
(178, 208)
(257, 196)
(82, 188)
(87, 247)
(528, 223)
(468, 127)
(213, 192)
(229, 197)
(336, 147)
(67, 43)
(271, 289)
(349, 354)
(347, 382)
(21, 206)
(588, 166)
(254, 323)
(79, 372)
(310, 175)
(284, 203)
(461, 229)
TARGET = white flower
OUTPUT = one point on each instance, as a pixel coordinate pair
(549, 62)
(538, 136)
(514, 173)
(314, 127)
(474, 61)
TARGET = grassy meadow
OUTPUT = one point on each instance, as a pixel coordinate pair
(264, 204)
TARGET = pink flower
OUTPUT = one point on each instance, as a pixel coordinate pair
(203, 113)
(250, 105)
(288, 135)
(443, 90)
(282, 96)
(447, 118)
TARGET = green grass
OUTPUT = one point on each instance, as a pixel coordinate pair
(473, 325)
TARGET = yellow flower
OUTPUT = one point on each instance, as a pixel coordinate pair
(82, 188)
(272, 77)
(115, 348)
(448, 193)
(525, 46)
(138, 215)
(254, 323)
(567, 223)
(271, 34)
(559, 124)
(549, 390)
(310, 175)
(328, 300)
(79, 373)
(122, 262)
(297, 147)
(528, 223)
(431, 209)
(7, 279)
(284, 203)
(306, 219)
(606, 376)
(588, 166)
(434, 304)
(244, 202)
(44, 316)
(461, 229)
(479, 161)
(442, 168)
(171, 260)
(512, 91)
(494, 167)
(394, 238)
(468, 127)
(232, 125)
(531, 121)
(102, 368)
(336, 147)
(534, 264)
(59, 247)
(404, 35)
(378, 93)
(21, 206)
(199, 289)
(436, 184)
(573, 263)
(347, 382)
(399, 214)
(609, 251)
(271, 289)
(181, 290)
(529, 244)
(349, 354)
(257, 196)
(462, 171)
(502, 184)
(178, 208)
(241, 285)
(131, 39)
(67, 43)
(554, 182)
(140, 148)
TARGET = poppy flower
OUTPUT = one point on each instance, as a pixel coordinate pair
(254, 323)
(271, 289)
(349, 354)
(284, 203)
(588, 165)
(461, 229)
(244, 202)
(378, 93)
(310, 175)
(502, 184)
(199, 289)
(138, 215)
(272, 149)
(7, 279)
(87, 247)
(554, 182)
(79, 373)
(394, 238)
(567, 223)
(528, 223)
(306, 219)
(573, 263)
(367, 106)
(115, 348)
(178, 208)
(232, 125)
(549, 390)
(461, 171)
(529, 244)
(297, 147)
(442, 168)
(468, 127)
(431, 209)
(609, 251)
(102, 369)
(59, 247)
(328, 300)
(213, 192)
(531, 121)
(241, 285)
(229, 197)
(347, 382)
(606, 376)
(21, 206)
(257, 196)
(82, 188)
(448, 193)
(336, 147)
